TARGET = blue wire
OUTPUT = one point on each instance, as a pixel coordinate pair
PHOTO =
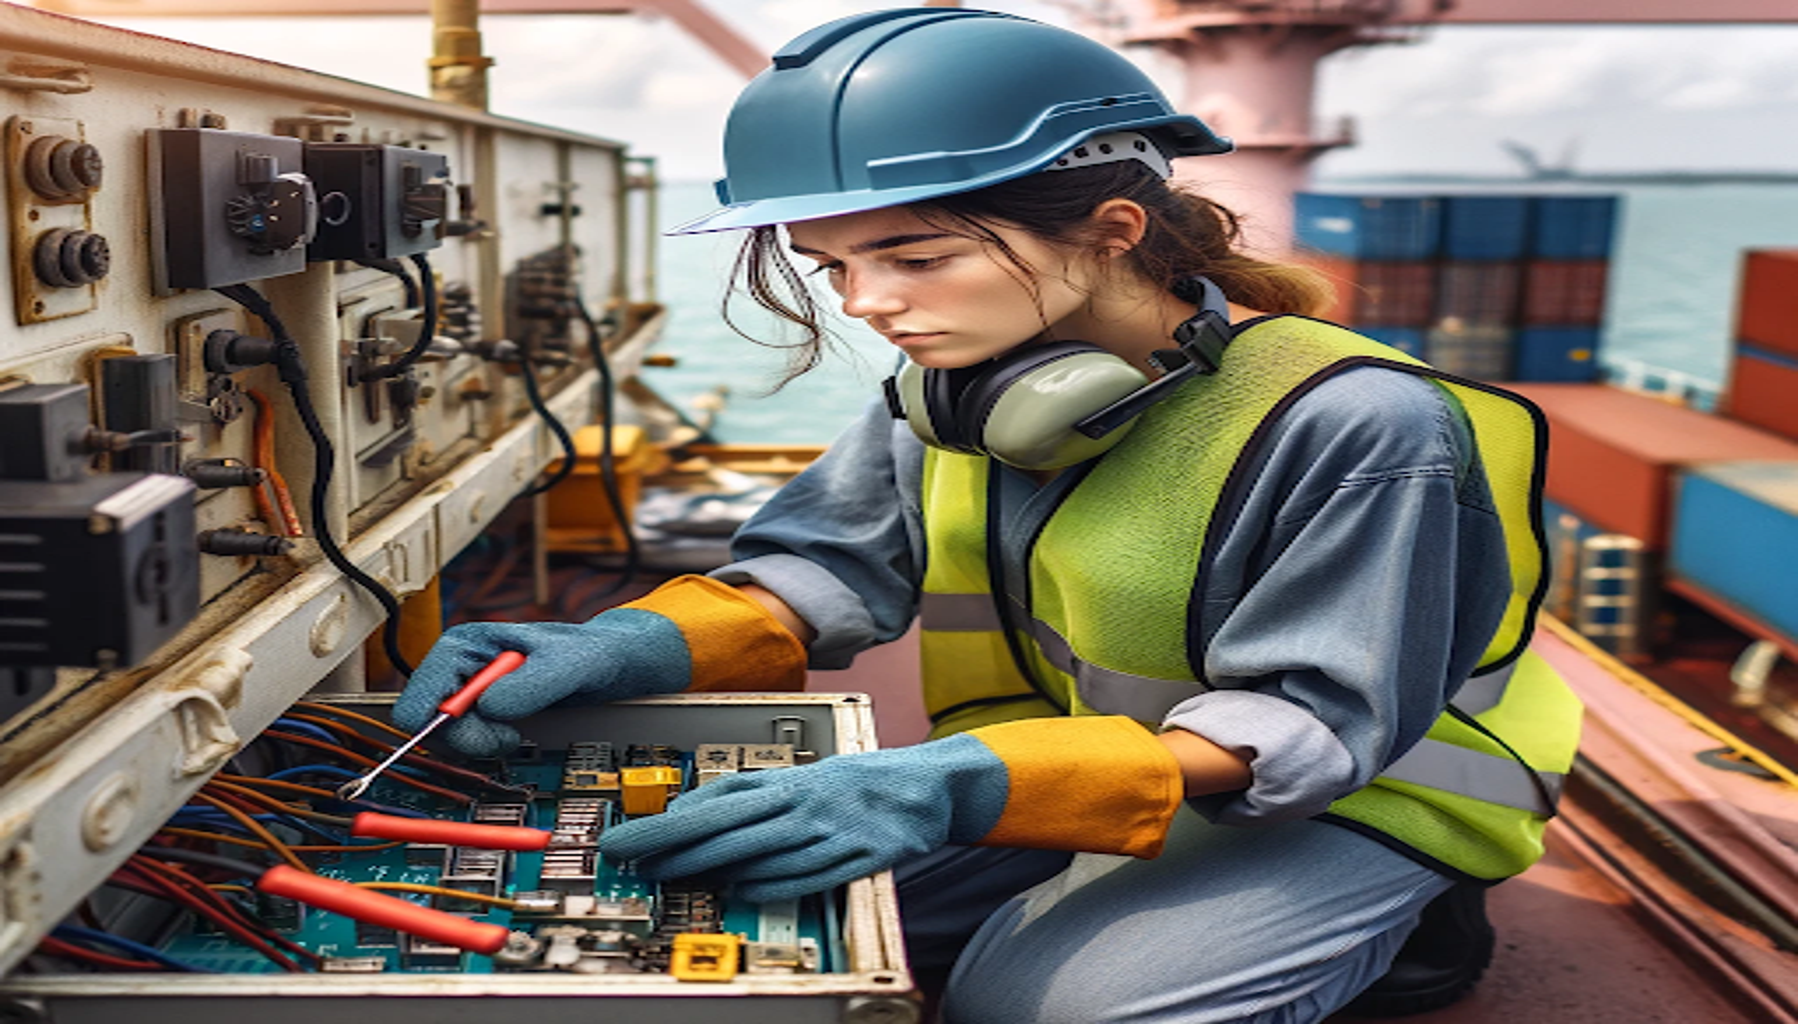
(309, 729)
(345, 773)
(318, 769)
(138, 949)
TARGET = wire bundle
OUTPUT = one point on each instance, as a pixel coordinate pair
(183, 865)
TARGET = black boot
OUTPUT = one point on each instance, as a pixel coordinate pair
(1440, 962)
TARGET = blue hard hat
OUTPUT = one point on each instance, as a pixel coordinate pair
(899, 106)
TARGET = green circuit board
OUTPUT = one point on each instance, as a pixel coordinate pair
(587, 914)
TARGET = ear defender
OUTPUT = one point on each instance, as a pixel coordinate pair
(1048, 405)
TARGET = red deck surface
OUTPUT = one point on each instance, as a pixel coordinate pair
(1571, 949)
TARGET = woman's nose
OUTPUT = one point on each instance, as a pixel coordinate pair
(865, 295)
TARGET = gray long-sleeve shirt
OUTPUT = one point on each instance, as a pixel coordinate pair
(1347, 603)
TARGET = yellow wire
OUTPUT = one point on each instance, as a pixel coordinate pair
(1653, 691)
(246, 890)
(291, 787)
(438, 890)
(281, 849)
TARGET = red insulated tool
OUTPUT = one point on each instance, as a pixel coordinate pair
(454, 706)
(385, 911)
(369, 825)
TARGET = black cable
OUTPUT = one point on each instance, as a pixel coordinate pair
(535, 394)
(292, 372)
(388, 265)
(427, 333)
(242, 868)
(608, 469)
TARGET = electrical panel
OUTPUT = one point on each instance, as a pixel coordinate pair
(164, 588)
(228, 207)
(377, 202)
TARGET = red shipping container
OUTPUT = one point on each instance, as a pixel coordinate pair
(1763, 390)
(1388, 294)
(1564, 293)
(1767, 315)
(1612, 453)
(1477, 294)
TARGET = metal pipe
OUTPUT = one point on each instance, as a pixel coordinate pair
(458, 70)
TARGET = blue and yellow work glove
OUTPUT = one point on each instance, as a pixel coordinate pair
(691, 633)
(1099, 785)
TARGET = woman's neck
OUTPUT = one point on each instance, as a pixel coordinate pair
(1134, 321)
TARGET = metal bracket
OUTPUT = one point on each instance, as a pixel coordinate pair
(207, 737)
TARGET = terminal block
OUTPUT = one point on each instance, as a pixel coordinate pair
(228, 207)
(377, 202)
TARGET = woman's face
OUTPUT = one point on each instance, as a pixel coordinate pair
(946, 300)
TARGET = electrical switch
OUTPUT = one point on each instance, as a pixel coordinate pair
(380, 202)
(228, 207)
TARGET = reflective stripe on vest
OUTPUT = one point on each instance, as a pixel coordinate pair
(1494, 778)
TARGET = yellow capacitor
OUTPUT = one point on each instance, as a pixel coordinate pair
(646, 790)
(702, 956)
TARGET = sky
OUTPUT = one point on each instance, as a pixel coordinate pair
(1626, 98)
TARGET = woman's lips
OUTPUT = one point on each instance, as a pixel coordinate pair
(905, 338)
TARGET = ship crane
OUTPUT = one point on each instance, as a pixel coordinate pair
(1251, 71)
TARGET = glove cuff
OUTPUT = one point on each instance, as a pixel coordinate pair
(734, 643)
(1090, 784)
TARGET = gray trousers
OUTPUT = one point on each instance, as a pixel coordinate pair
(1277, 923)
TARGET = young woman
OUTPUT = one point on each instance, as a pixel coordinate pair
(1224, 609)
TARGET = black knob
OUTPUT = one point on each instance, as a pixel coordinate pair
(57, 167)
(68, 259)
(227, 351)
(92, 255)
(212, 474)
(241, 542)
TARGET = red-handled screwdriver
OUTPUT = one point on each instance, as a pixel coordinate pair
(454, 706)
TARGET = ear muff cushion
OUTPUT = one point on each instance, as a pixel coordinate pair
(1001, 373)
(942, 400)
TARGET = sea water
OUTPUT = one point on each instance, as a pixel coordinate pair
(1674, 279)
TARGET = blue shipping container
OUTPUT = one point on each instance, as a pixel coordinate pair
(1408, 340)
(1560, 354)
(1573, 227)
(1485, 227)
(1368, 227)
(1735, 534)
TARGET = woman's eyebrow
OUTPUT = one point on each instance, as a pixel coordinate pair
(892, 242)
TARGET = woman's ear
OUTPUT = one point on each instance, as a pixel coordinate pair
(1118, 225)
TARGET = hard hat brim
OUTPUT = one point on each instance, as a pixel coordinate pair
(1194, 139)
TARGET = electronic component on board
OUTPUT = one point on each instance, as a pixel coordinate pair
(799, 957)
(713, 761)
(352, 964)
(762, 756)
(700, 956)
(648, 789)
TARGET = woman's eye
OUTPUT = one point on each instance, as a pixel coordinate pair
(921, 263)
(824, 268)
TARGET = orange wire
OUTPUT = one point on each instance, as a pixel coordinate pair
(292, 787)
(279, 806)
(356, 716)
(281, 849)
(413, 757)
(217, 837)
(289, 523)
